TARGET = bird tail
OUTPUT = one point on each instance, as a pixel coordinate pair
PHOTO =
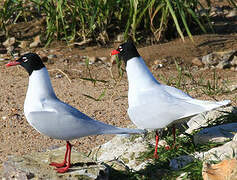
(212, 105)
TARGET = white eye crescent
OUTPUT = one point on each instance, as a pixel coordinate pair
(25, 59)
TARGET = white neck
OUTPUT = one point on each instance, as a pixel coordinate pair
(39, 89)
(139, 76)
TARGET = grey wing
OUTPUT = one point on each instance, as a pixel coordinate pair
(61, 121)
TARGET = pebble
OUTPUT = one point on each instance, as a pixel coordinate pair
(24, 44)
(51, 56)
(120, 38)
(9, 42)
(36, 42)
(197, 61)
(232, 13)
(233, 87)
(223, 65)
(59, 76)
(92, 59)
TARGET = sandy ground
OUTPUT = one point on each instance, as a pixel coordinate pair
(17, 137)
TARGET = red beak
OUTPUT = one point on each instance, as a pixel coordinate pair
(12, 63)
(114, 52)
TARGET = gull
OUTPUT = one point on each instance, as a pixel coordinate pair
(54, 118)
(153, 105)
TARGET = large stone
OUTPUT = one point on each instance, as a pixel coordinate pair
(226, 151)
(122, 152)
(36, 165)
(227, 169)
(219, 133)
(206, 118)
(219, 59)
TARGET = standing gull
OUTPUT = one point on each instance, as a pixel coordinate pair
(54, 118)
(153, 105)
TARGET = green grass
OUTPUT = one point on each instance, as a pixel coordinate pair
(100, 20)
(159, 168)
(188, 82)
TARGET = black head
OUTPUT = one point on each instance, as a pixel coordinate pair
(29, 61)
(126, 51)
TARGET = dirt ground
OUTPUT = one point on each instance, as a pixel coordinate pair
(17, 137)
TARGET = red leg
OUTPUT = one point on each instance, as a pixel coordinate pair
(157, 140)
(58, 165)
(174, 135)
(65, 169)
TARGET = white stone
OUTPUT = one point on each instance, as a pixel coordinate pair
(122, 149)
(203, 119)
(226, 151)
(219, 133)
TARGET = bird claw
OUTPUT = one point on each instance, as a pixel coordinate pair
(156, 156)
(167, 147)
(62, 170)
(58, 165)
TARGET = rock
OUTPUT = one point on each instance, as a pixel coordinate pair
(197, 61)
(10, 49)
(92, 59)
(103, 59)
(209, 59)
(223, 65)
(36, 42)
(219, 133)
(233, 87)
(219, 59)
(51, 56)
(226, 151)
(24, 44)
(234, 61)
(36, 165)
(203, 119)
(181, 161)
(227, 169)
(232, 13)
(9, 42)
(233, 68)
(120, 38)
(122, 152)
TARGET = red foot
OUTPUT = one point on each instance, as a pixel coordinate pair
(58, 165)
(156, 156)
(62, 170)
(167, 147)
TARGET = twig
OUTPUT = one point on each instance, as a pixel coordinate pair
(70, 81)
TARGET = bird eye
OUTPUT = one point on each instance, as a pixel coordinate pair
(25, 59)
